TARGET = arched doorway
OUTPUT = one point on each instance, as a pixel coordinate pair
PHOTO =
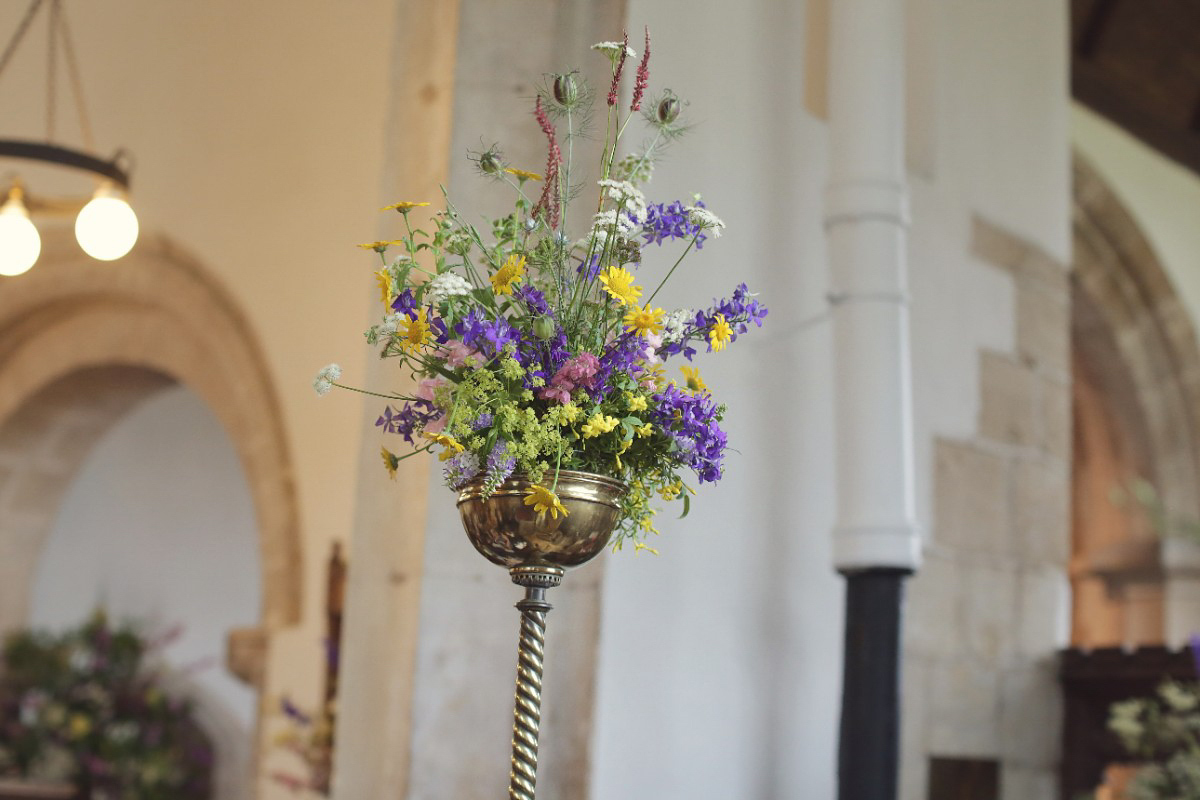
(1136, 370)
(82, 344)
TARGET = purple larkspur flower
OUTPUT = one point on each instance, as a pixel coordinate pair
(482, 421)
(488, 336)
(691, 420)
(534, 300)
(438, 325)
(590, 269)
(293, 712)
(671, 222)
(406, 303)
(619, 358)
(738, 310)
(411, 417)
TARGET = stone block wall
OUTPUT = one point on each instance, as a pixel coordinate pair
(991, 605)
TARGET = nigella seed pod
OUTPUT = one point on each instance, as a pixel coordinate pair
(668, 109)
(544, 328)
(489, 162)
(566, 89)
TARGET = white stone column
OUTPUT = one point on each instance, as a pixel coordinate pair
(866, 217)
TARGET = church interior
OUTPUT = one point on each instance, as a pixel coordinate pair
(976, 224)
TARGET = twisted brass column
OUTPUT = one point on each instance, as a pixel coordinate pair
(527, 705)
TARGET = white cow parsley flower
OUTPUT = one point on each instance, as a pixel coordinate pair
(443, 287)
(613, 49)
(676, 323)
(705, 219)
(326, 377)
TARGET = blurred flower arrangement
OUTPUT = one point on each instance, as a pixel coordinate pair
(310, 737)
(1163, 734)
(82, 707)
(536, 350)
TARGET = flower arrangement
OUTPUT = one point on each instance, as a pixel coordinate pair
(1163, 734)
(535, 350)
(309, 736)
(81, 707)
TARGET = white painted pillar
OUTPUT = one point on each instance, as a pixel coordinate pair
(866, 218)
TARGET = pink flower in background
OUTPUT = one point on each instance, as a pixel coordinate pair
(458, 354)
(579, 370)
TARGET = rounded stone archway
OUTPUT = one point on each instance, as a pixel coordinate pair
(81, 342)
(1136, 369)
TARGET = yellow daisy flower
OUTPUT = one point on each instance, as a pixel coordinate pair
(385, 286)
(403, 207)
(451, 444)
(694, 381)
(598, 424)
(523, 175)
(390, 460)
(636, 402)
(644, 320)
(413, 334)
(509, 273)
(543, 500)
(379, 247)
(720, 333)
(619, 284)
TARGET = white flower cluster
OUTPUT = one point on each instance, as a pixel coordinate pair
(613, 49)
(326, 377)
(443, 287)
(384, 329)
(603, 223)
(705, 219)
(627, 197)
(675, 323)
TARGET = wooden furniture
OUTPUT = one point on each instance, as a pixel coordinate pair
(27, 790)
(1092, 681)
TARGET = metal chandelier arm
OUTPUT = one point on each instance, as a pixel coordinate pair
(45, 152)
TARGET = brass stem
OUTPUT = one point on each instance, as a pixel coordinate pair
(527, 706)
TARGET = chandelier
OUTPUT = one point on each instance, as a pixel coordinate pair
(105, 226)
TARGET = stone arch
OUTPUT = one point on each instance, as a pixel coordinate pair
(81, 342)
(1136, 368)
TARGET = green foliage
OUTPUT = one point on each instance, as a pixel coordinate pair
(1164, 732)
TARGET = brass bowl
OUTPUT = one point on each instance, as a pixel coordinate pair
(509, 533)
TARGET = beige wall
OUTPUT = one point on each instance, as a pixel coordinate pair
(258, 131)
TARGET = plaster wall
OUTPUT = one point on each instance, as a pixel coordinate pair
(720, 663)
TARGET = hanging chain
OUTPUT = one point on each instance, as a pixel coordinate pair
(85, 124)
(51, 70)
(16, 39)
(57, 30)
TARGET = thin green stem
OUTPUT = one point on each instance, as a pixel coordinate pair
(686, 250)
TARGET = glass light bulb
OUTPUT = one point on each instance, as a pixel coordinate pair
(20, 244)
(106, 227)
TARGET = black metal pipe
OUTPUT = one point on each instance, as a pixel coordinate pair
(869, 740)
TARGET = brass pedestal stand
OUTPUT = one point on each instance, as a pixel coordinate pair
(537, 549)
